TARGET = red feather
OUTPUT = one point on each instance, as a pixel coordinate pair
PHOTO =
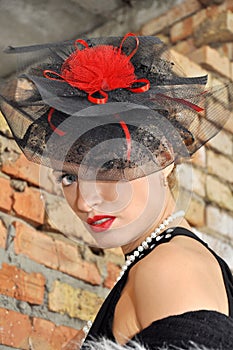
(101, 68)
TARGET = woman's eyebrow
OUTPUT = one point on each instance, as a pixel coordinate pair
(55, 171)
(64, 172)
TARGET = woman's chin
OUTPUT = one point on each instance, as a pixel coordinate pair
(106, 245)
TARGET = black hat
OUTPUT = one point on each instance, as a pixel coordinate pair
(115, 107)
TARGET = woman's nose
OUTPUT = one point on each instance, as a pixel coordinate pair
(87, 197)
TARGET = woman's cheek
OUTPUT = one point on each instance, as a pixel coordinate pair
(70, 194)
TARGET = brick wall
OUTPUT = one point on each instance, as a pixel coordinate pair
(50, 285)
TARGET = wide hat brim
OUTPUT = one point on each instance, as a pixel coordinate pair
(51, 120)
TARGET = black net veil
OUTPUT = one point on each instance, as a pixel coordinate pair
(182, 114)
(133, 134)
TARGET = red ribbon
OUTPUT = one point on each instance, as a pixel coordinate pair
(82, 42)
(47, 73)
(184, 102)
(128, 138)
(137, 44)
(53, 127)
(140, 89)
(96, 100)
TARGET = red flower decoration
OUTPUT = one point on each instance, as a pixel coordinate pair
(100, 69)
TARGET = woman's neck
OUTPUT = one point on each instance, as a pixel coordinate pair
(168, 210)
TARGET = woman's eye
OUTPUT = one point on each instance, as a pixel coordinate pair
(68, 179)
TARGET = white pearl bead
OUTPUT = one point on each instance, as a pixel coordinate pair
(140, 249)
(149, 239)
(145, 245)
(127, 263)
(89, 323)
(136, 253)
(162, 227)
(85, 329)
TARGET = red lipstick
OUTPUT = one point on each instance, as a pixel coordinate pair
(101, 223)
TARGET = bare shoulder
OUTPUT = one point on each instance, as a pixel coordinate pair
(164, 271)
(174, 279)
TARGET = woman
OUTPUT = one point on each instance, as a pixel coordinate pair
(112, 118)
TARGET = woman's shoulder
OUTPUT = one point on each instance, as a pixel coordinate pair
(176, 277)
(179, 257)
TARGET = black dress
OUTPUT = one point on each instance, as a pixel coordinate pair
(211, 329)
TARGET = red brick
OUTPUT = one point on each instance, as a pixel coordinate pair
(66, 338)
(113, 273)
(46, 335)
(181, 30)
(71, 263)
(28, 205)
(210, 59)
(15, 329)
(22, 169)
(175, 14)
(42, 331)
(6, 193)
(55, 254)
(3, 235)
(18, 284)
(35, 245)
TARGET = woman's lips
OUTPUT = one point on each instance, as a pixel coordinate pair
(100, 223)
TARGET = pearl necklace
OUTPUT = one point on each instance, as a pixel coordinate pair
(138, 253)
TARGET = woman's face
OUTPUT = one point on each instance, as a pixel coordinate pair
(116, 213)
